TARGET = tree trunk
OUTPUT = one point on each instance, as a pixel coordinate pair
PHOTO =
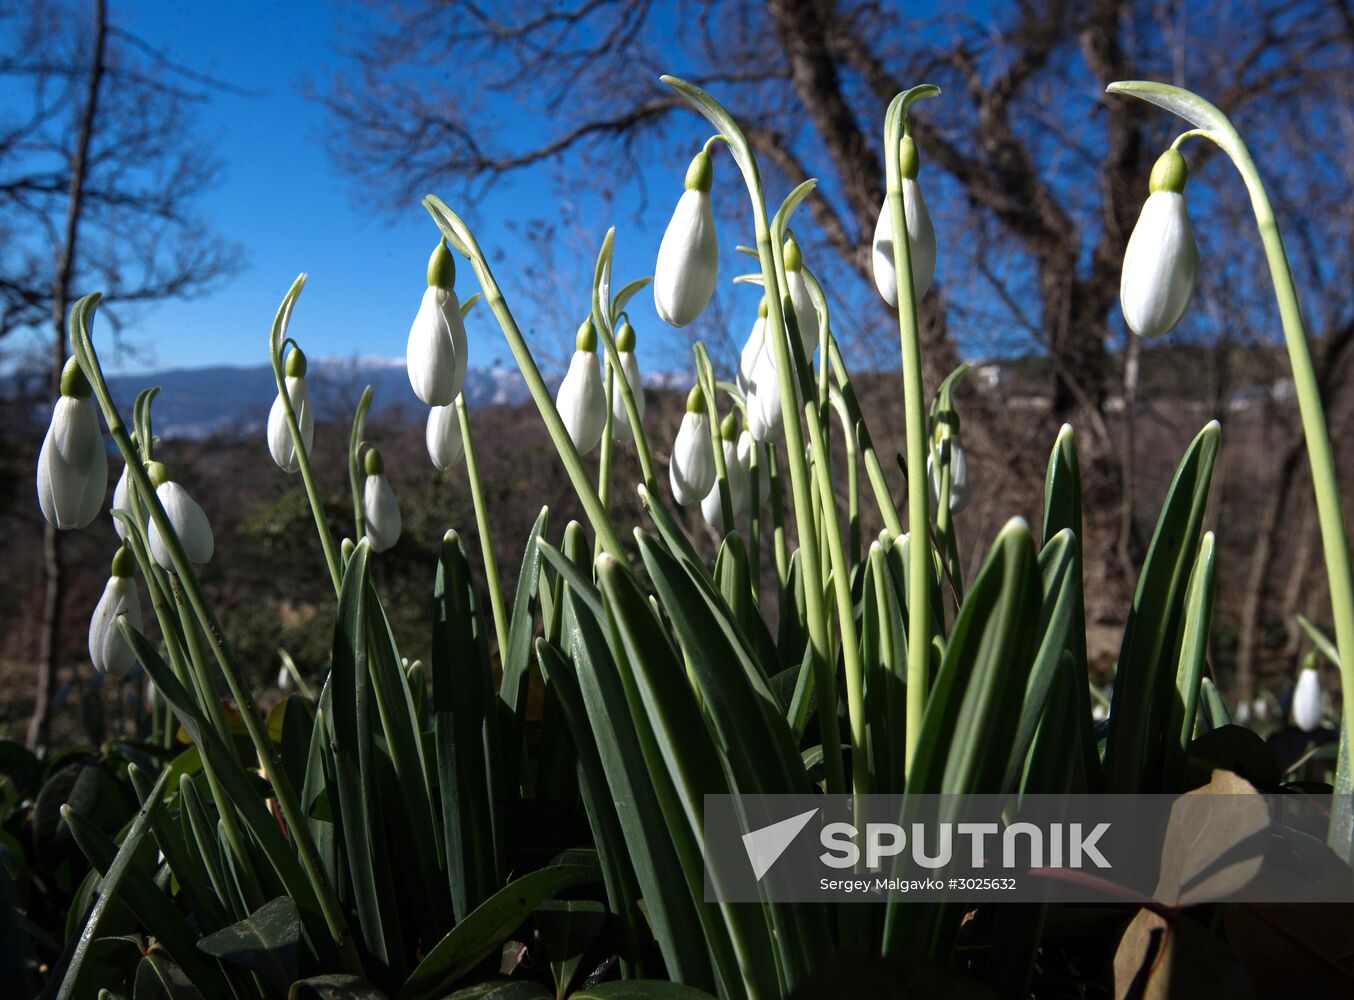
(50, 654)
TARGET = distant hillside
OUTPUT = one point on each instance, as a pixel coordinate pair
(199, 402)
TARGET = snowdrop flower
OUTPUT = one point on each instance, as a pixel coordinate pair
(443, 437)
(284, 679)
(921, 235)
(752, 350)
(688, 257)
(806, 313)
(959, 486)
(1161, 258)
(108, 649)
(1307, 700)
(436, 353)
(187, 519)
(122, 501)
(1099, 713)
(625, 347)
(692, 468)
(72, 465)
(740, 486)
(280, 444)
(581, 400)
(765, 420)
(380, 505)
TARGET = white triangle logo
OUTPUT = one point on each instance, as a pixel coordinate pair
(766, 845)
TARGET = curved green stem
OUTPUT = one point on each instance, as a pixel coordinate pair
(461, 238)
(355, 474)
(491, 577)
(705, 375)
(604, 315)
(914, 407)
(1214, 125)
(276, 343)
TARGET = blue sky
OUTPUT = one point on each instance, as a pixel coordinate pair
(285, 202)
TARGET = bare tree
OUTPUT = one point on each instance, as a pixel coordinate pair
(96, 178)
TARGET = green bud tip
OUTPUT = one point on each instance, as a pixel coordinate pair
(586, 339)
(441, 268)
(1169, 173)
(695, 400)
(909, 163)
(296, 363)
(729, 426)
(158, 473)
(701, 174)
(794, 260)
(625, 337)
(373, 463)
(73, 381)
(762, 308)
(346, 548)
(124, 563)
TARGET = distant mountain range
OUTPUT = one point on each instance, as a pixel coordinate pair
(201, 402)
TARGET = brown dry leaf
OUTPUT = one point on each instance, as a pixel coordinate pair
(1159, 959)
(1213, 845)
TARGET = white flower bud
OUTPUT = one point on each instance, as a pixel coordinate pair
(692, 468)
(959, 486)
(72, 465)
(108, 649)
(1161, 259)
(436, 352)
(688, 257)
(581, 400)
(740, 489)
(1307, 700)
(189, 522)
(625, 347)
(806, 313)
(379, 503)
(443, 437)
(122, 501)
(752, 350)
(280, 444)
(921, 234)
(746, 444)
(284, 679)
(765, 420)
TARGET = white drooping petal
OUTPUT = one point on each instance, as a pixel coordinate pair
(284, 679)
(752, 353)
(620, 417)
(739, 489)
(435, 354)
(765, 420)
(383, 513)
(108, 649)
(72, 465)
(122, 501)
(692, 468)
(921, 241)
(1160, 263)
(688, 260)
(280, 444)
(1307, 700)
(806, 313)
(582, 401)
(190, 524)
(959, 486)
(443, 437)
(746, 444)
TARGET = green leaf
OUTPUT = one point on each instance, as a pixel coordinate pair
(334, 987)
(517, 658)
(1144, 680)
(1193, 655)
(640, 989)
(462, 705)
(267, 942)
(1323, 643)
(157, 978)
(354, 766)
(484, 929)
(626, 293)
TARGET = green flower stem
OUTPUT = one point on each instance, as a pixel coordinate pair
(608, 431)
(1215, 126)
(604, 315)
(755, 524)
(782, 547)
(705, 375)
(491, 577)
(914, 406)
(838, 404)
(277, 343)
(297, 822)
(356, 476)
(458, 234)
(874, 470)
